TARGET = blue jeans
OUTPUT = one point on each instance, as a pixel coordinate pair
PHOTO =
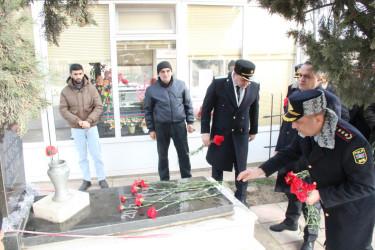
(90, 138)
(177, 131)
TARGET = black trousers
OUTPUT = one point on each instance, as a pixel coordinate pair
(293, 212)
(178, 133)
(241, 186)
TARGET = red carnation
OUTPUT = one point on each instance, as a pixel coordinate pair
(134, 188)
(152, 80)
(297, 183)
(51, 150)
(285, 102)
(123, 198)
(151, 212)
(121, 207)
(302, 196)
(218, 139)
(290, 177)
(200, 112)
(139, 200)
(143, 184)
(124, 81)
(311, 187)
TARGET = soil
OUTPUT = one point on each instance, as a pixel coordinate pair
(261, 191)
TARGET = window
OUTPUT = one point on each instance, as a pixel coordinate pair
(214, 31)
(145, 19)
(214, 38)
(137, 61)
(90, 47)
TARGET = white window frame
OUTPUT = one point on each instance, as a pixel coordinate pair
(164, 11)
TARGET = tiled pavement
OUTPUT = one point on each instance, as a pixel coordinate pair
(267, 214)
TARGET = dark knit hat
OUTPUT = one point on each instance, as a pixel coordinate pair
(163, 65)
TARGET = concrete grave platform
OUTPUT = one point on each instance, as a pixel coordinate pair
(102, 216)
(59, 212)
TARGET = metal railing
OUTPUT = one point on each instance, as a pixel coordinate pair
(271, 116)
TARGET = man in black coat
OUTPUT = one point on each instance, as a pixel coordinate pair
(235, 101)
(339, 161)
(308, 79)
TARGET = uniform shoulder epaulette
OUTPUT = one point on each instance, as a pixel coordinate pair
(344, 133)
(220, 77)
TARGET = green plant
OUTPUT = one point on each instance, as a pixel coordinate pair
(22, 87)
(339, 38)
(21, 82)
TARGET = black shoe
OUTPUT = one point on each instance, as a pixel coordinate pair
(307, 246)
(85, 185)
(282, 226)
(103, 184)
(245, 203)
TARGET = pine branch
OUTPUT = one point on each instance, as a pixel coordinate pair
(319, 7)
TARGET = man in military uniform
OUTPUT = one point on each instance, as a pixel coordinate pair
(294, 86)
(307, 79)
(338, 159)
(235, 101)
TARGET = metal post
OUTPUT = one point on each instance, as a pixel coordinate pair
(269, 150)
(281, 107)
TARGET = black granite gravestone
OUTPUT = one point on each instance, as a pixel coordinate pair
(103, 216)
(12, 183)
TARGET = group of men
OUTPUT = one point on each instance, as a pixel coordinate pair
(312, 137)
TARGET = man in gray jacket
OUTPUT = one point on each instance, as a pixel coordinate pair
(167, 106)
(81, 106)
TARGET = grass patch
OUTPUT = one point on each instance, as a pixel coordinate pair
(261, 182)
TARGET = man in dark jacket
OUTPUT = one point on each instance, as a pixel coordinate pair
(308, 79)
(81, 106)
(167, 106)
(235, 101)
(338, 159)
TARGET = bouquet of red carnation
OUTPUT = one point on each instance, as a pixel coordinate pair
(302, 190)
(218, 139)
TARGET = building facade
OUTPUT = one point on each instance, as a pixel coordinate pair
(120, 55)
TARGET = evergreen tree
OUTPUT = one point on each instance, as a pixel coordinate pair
(341, 42)
(22, 94)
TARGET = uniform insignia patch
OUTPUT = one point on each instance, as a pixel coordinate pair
(344, 133)
(360, 156)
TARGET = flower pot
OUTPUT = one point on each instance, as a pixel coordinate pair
(145, 130)
(58, 172)
(131, 129)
